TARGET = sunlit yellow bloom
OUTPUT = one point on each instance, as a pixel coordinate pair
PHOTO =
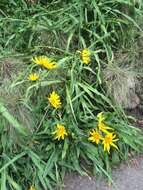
(108, 141)
(54, 100)
(50, 65)
(60, 132)
(33, 77)
(94, 136)
(85, 54)
(45, 62)
(102, 126)
(86, 60)
(32, 188)
(40, 60)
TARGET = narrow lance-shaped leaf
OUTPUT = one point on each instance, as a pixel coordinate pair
(11, 119)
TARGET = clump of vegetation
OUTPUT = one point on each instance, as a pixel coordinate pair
(55, 110)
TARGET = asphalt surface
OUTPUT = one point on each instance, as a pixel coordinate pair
(128, 176)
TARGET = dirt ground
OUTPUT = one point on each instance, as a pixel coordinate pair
(129, 176)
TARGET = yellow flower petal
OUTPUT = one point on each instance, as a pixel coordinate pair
(45, 62)
(115, 146)
(32, 188)
(102, 127)
(108, 148)
(54, 100)
(85, 55)
(108, 142)
(94, 136)
(33, 77)
(50, 65)
(60, 132)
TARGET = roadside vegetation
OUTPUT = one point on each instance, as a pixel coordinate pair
(58, 102)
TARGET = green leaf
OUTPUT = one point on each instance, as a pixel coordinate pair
(65, 148)
(50, 163)
(13, 183)
(12, 161)
(12, 120)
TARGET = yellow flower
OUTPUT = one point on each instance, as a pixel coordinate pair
(60, 132)
(39, 60)
(50, 65)
(86, 60)
(54, 100)
(101, 126)
(45, 62)
(85, 54)
(33, 77)
(108, 141)
(94, 136)
(32, 188)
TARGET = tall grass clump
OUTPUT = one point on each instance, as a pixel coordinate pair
(55, 113)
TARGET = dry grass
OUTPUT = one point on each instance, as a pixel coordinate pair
(121, 79)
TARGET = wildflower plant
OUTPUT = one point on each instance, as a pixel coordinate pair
(73, 119)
